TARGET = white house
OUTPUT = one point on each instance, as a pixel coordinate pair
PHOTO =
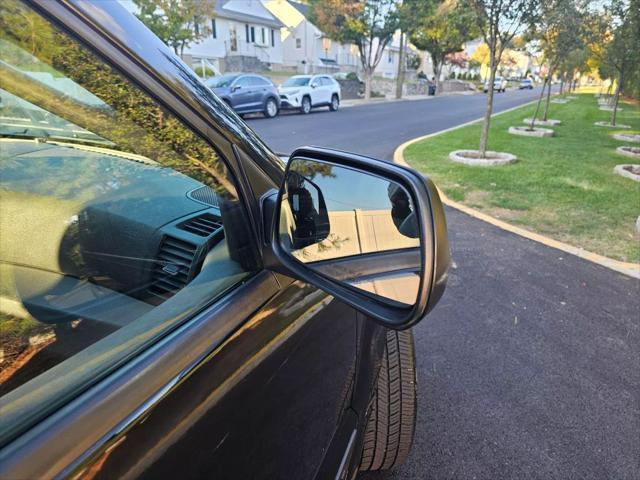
(245, 36)
(304, 47)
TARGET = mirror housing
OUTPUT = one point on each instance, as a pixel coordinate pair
(235, 88)
(429, 221)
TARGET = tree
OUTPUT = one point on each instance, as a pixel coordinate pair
(444, 32)
(499, 21)
(559, 31)
(368, 24)
(178, 23)
(410, 15)
(618, 47)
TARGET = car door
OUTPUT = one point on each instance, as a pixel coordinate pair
(316, 91)
(327, 86)
(145, 339)
(242, 94)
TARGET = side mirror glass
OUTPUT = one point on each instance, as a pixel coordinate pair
(362, 230)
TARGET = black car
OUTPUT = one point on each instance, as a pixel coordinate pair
(247, 93)
(175, 302)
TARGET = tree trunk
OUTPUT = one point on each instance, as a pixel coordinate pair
(486, 123)
(614, 114)
(546, 105)
(535, 115)
(401, 62)
(562, 85)
(367, 83)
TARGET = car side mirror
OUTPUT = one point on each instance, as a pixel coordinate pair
(235, 88)
(313, 85)
(370, 233)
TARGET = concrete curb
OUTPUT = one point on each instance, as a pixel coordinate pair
(628, 151)
(630, 269)
(621, 170)
(536, 132)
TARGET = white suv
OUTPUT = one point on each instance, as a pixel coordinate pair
(304, 92)
(499, 85)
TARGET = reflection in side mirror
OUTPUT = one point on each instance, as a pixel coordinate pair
(330, 212)
(305, 213)
(382, 246)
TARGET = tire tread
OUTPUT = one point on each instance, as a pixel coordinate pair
(390, 428)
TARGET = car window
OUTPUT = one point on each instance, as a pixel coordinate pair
(243, 82)
(326, 81)
(221, 81)
(296, 82)
(114, 218)
(259, 82)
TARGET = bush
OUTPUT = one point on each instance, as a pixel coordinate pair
(352, 76)
(207, 72)
(452, 75)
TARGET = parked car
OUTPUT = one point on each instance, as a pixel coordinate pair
(175, 301)
(247, 93)
(526, 83)
(499, 85)
(304, 92)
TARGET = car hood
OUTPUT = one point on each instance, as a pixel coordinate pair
(290, 89)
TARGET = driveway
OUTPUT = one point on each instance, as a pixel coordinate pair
(530, 365)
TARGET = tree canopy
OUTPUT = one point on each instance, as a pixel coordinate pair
(178, 23)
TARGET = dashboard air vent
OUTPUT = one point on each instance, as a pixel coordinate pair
(202, 225)
(172, 267)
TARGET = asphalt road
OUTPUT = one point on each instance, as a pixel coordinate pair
(529, 368)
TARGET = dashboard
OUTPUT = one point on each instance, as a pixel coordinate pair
(89, 232)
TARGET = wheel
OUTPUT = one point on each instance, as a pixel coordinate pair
(391, 424)
(305, 108)
(270, 108)
(335, 103)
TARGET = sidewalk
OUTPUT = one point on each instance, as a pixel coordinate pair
(407, 98)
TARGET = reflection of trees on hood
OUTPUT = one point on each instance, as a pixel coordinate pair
(134, 122)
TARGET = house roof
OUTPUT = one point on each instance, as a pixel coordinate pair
(301, 7)
(268, 20)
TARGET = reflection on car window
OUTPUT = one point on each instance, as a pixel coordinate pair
(113, 216)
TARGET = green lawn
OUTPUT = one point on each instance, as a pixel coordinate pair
(563, 187)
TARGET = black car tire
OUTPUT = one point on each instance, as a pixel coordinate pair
(391, 424)
(305, 106)
(335, 103)
(270, 108)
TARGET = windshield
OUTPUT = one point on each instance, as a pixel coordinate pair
(222, 81)
(296, 82)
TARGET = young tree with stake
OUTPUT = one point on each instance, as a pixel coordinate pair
(499, 21)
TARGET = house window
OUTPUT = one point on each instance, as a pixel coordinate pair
(298, 43)
(263, 36)
(273, 37)
(253, 35)
(246, 32)
(214, 32)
